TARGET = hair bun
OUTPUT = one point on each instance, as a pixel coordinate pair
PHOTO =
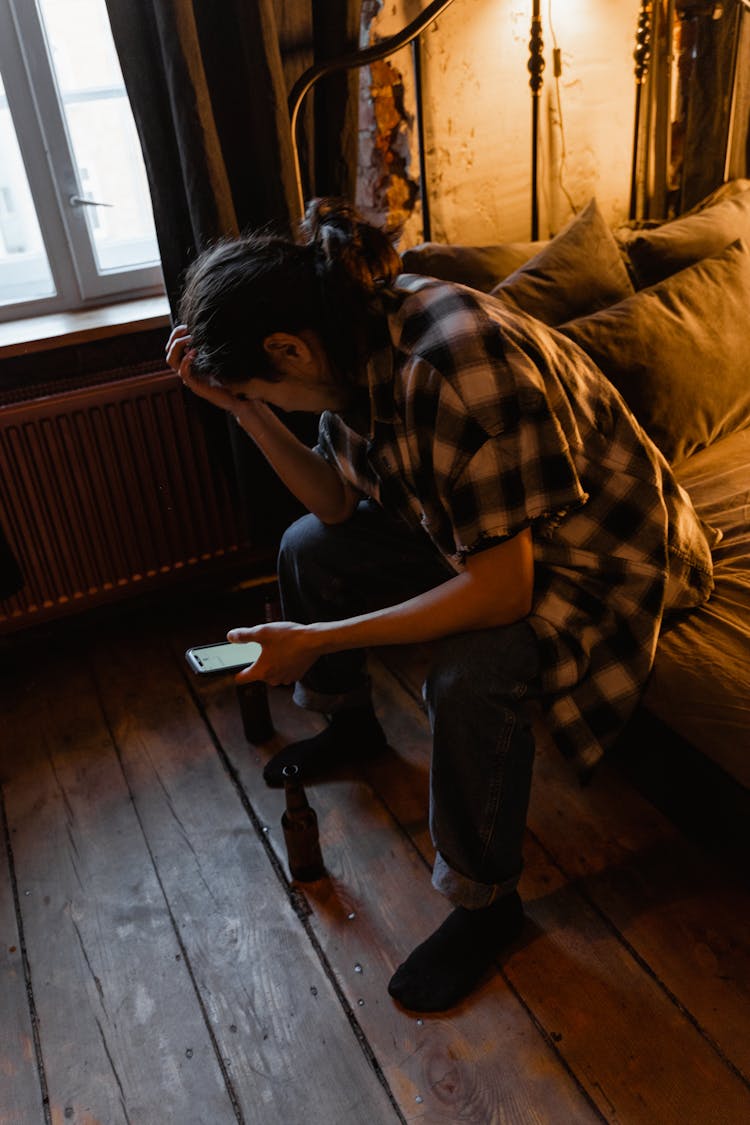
(344, 242)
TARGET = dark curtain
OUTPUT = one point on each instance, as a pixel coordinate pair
(336, 26)
(713, 75)
(685, 147)
(739, 158)
(208, 82)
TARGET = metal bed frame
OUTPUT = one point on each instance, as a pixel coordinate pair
(410, 34)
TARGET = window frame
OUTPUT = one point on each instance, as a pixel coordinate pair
(42, 135)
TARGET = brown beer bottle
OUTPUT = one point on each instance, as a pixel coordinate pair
(256, 715)
(300, 825)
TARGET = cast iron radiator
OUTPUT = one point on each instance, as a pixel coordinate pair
(104, 490)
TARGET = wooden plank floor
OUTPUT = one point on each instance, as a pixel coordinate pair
(158, 966)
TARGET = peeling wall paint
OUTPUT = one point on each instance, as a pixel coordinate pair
(478, 117)
(388, 182)
(386, 189)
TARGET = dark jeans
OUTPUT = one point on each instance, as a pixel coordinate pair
(476, 692)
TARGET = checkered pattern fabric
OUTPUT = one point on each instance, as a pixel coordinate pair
(482, 422)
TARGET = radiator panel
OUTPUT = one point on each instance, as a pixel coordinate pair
(104, 490)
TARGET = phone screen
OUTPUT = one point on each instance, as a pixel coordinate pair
(223, 657)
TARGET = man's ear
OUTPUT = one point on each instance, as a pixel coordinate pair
(285, 345)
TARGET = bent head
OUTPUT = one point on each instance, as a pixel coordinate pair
(290, 322)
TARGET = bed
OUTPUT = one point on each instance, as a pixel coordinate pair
(665, 313)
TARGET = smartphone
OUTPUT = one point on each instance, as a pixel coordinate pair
(222, 657)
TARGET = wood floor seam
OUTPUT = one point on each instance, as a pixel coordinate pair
(551, 1042)
(33, 1015)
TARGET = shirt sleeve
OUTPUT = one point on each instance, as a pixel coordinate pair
(346, 452)
(324, 445)
(494, 498)
(522, 474)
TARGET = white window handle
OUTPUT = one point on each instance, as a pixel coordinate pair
(79, 201)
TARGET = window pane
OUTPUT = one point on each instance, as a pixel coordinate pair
(102, 133)
(110, 169)
(24, 267)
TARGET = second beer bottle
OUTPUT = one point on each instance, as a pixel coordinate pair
(300, 825)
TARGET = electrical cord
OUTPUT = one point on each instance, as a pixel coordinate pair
(557, 70)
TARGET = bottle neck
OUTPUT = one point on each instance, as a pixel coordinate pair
(296, 798)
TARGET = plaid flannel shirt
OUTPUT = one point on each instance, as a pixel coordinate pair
(483, 422)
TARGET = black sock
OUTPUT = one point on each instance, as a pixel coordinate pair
(450, 963)
(352, 734)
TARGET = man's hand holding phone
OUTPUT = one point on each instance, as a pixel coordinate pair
(288, 650)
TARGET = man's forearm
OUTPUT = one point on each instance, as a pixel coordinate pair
(461, 604)
(306, 475)
(495, 589)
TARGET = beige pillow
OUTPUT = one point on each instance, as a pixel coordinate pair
(723, 191)
(658, 253)
(579, 271)
(630, 229)
(678, 352)
(479, 267)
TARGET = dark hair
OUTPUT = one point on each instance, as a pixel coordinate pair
(331, 279)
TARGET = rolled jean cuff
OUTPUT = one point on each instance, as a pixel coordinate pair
(327, 703)
(463, 891)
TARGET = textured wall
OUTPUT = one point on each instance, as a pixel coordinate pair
(478, 117)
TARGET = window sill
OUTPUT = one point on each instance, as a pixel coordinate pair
(42, 333)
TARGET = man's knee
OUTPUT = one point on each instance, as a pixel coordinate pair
(451, 677)
(491, 664)
(314, 561)
(302, 538)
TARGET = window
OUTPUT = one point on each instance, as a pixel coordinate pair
(76, 226)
